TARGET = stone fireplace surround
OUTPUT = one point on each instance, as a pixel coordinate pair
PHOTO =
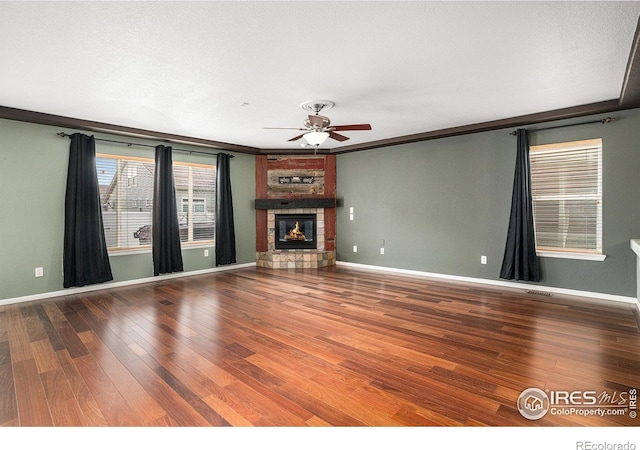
(295, 259)
(273, 198)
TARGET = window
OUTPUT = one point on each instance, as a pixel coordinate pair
(566, 184)
(126, 194)
(196, 200)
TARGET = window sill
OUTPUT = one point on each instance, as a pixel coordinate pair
(581, 256)
(148, 249)
(137, 251)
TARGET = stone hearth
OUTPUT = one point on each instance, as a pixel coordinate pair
(295, 259)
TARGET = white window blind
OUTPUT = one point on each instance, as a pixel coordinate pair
(126, 194)
(566, 183)
(196, 200)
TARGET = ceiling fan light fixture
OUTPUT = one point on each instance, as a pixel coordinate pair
(316, 137)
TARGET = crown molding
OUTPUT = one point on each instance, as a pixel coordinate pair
(23, 115)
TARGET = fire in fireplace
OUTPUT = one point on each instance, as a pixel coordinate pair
(295, 231)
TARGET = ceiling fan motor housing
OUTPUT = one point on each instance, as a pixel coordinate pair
(317, 122)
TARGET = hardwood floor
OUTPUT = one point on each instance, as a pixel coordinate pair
(330, 347)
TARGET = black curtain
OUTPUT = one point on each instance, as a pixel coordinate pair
(520, 261)
(225, 232)
(165, 238)
(85, 257)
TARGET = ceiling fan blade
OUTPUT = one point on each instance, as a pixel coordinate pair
(337, 137)
(316, 121)
(295, 138)
(360, 126)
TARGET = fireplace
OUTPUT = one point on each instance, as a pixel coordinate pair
(312, 256)
(295, 231)
(278, 194)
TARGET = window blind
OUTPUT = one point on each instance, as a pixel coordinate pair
(126, 195)
(196, 200)
(566, 182)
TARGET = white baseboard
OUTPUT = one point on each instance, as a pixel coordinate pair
(109, 285)
(506, 284)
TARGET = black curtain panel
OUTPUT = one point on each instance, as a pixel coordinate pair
(225, 232)
(165, 234)
(85, 257)
(520, 261)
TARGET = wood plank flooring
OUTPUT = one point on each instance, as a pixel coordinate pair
(332, 347)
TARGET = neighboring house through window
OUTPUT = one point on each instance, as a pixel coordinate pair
(126, 193)
(566, 184)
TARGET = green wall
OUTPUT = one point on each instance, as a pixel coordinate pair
(439, 205)
(33, 170)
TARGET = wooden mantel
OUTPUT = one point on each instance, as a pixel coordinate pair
(293, 203)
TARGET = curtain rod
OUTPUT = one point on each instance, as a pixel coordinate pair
(129, 144)
(603, 121)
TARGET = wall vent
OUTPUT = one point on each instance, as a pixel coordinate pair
(545, 293)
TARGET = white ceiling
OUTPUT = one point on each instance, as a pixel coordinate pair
(224, 71)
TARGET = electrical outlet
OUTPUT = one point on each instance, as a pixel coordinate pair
(355, 249)
(382, 250)
(483, 259)
(39, 272)
(206, 252)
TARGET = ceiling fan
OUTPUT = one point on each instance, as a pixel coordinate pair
(318, 128)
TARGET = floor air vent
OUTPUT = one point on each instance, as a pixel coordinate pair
(545, 293)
